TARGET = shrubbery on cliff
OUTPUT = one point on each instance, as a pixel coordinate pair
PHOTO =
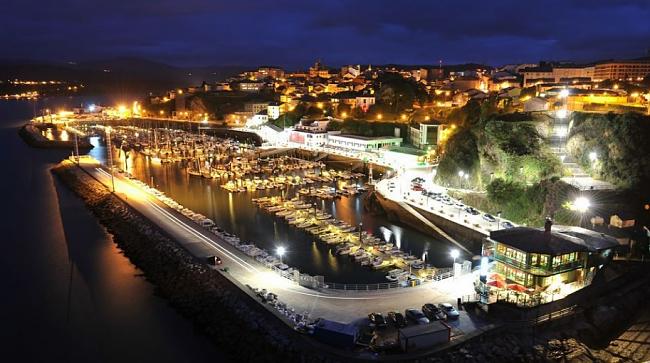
(621, 143)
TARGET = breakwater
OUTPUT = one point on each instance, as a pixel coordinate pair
(239, 325)
(31, 134)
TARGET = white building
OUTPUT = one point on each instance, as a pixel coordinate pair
(273, 110)
(258, 119)
(363, 143)
(308, 138)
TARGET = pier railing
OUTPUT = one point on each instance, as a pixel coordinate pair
(362, 287)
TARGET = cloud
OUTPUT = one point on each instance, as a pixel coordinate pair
(294, 33)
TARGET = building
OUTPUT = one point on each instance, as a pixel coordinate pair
(318, 71)
(624, 69)
(420, 74)
(535, 258)
(258, 119)
(557, 74)
(425, 135)
(250, 86)
(270, 72)
(255, 107)
(274, 110)
(364, 102)
(308, 138)
(536, 104)
(363, 143)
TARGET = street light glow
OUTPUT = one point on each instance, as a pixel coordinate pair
(280, 251)
(564, 93)
(581, 204)
(593, 156)
(454, 254)
(461, 173)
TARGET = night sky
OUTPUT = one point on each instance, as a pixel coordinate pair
(294, 33)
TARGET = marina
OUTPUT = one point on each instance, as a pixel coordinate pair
(338, 193)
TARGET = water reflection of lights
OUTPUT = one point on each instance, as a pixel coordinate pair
(231, 207)
(316, 255)
(333, 262)
(386, 233)
(397, 232)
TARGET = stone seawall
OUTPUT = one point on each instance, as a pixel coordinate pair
(469, 238)
(239, 326)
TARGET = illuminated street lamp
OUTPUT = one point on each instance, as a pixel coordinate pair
(593, 156)
(564, 93)
(454, 254)
(280, 251)
(581, 204)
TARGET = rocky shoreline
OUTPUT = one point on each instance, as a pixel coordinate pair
(236, 323)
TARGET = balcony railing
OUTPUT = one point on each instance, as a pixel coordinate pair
(537, 270)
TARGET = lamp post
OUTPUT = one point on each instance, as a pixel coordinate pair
(454, 255)
(460, 178)
(581, 204)
(280, 251)
(499, 220)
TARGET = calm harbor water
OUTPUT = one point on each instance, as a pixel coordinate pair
(236, 213)
(70, 295)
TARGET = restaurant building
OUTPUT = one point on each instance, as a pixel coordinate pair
(536, 258)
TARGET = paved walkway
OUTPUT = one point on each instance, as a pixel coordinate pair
(338, 305)
(398, 189)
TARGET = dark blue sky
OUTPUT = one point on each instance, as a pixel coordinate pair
(294, 33)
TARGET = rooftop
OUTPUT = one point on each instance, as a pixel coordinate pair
(560, 240)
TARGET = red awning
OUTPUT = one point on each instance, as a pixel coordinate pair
(517, 287)
(496, 276)
(497, 283)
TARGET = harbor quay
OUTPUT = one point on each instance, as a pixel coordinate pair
(310, 198)
(332, 304)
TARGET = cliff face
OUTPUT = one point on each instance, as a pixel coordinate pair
(240, 326)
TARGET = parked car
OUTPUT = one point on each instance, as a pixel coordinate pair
(433, 312)
(507, 224)
(397, 319)
(416, 316)
(489, 217)
(377, 320)
(449, 311)
(472, 211)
